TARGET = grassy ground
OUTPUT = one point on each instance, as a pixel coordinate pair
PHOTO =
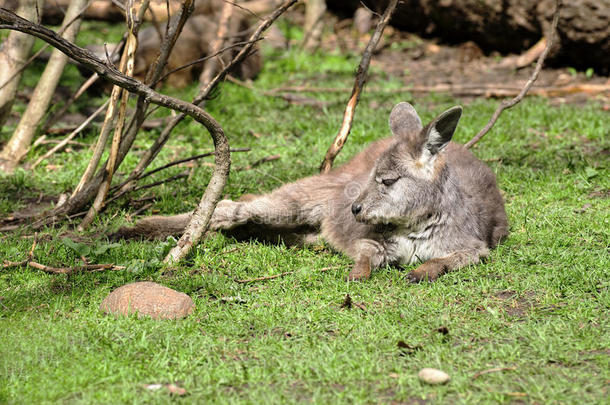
(539, 307)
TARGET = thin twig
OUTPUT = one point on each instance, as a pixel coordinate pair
(167, 180)
(131, 45)
(71, 136)
(197, 61)
(247, 10)
(361, 76)
(45, 46)
(171, 164)
(264, 278)
(188, 159)
(88, 59)
(510, 103)
(266, 159)
(62, 270)
(153, 151)
(492, 370)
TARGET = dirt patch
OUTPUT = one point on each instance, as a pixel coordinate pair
(515, 305)
(465, 71)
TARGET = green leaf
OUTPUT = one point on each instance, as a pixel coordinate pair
(590, 172)
(80, 248)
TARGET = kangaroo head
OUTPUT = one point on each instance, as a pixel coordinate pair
(405, 185)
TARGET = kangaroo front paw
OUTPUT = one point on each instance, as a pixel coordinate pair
(428, 271)
(227, 215)
(360, 272)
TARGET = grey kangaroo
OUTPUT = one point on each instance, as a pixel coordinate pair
(412, 197)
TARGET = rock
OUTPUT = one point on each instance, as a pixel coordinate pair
(433, 376)
(148, 299)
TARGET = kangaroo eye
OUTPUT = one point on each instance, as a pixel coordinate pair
(388, 182)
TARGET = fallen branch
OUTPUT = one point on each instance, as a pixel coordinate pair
(264, 278)
(62, 270)
(505, 104)
(469, 90)
(361, 76)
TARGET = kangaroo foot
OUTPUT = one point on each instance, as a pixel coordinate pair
(428, 271)
(361, 270)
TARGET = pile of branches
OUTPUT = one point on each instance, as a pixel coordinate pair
(95, 188)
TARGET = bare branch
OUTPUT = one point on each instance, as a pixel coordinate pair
(197, 61)
(152, 152)
(220, 172)
(16, 148)
(130, 52)
(510, 103)
(71, 136)
(361, 76)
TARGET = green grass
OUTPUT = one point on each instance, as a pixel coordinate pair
(539, 306)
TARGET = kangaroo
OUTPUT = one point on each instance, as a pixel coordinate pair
(413, 197)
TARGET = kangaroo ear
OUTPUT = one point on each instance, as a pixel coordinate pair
(440, 131)
(404, 120)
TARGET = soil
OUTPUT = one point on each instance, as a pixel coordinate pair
(464, 70)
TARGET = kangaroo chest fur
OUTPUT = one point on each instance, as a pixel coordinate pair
(413, 247)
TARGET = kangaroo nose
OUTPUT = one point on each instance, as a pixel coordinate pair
(356, 208)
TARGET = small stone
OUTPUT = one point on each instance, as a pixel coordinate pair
(148, 299)
(433, 376)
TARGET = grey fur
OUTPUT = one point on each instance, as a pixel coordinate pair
(417, 196)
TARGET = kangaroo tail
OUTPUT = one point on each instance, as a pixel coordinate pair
(156, 227)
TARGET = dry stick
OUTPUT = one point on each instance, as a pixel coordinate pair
(188, 159)
(197, 61)
(173, 30)
(492, 370)
(110, 114)
(211, 65)
(505, 104)
(174, 163)
(252, 280)
(78, 200)
(15, 49)
(44, 47)
(21, 140)
(169, 179)
(472, 90)
(60, 113)
(63, 270)
(361, 76)
(110, 73)
(102, 139)
(130, 47)
(71, 136)
(152, 152)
